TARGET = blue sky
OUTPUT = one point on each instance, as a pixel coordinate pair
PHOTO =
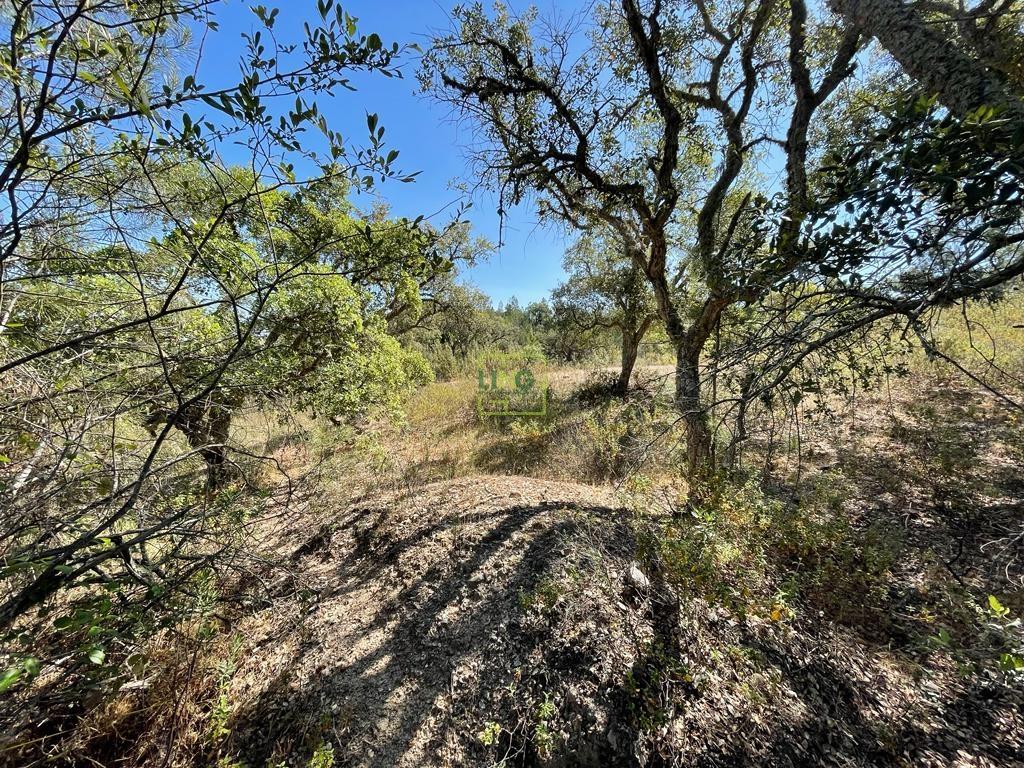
(529, 264)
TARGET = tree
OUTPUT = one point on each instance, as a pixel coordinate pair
(468, 322)
(969, 57)
(650, 129)
(143, 283)
(321, 342)
(432, 289)
(918, 205)
(605, 289)
(919, 214)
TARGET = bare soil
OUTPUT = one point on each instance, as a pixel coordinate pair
(491, 619)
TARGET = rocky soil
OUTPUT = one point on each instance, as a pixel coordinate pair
(506, 621)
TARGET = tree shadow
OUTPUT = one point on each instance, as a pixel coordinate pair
(965, 724)
(458, 580)
(931, 489)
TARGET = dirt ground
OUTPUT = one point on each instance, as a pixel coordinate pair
(493, 619)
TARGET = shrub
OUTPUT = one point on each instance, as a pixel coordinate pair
(738, 546)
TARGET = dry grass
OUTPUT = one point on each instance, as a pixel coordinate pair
(442, 437)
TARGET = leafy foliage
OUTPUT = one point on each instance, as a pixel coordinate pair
(150, 294)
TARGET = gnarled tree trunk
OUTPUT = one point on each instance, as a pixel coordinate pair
(691, 407)
(206, 425)
(689, 343)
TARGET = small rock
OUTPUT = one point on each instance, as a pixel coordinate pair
(636, 579)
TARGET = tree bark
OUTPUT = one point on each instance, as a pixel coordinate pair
(942, 68)
(630, 349)
(688, 401)
(205, 425)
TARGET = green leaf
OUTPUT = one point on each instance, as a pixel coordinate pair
(996, 607)
(122, 86)
(10, 677)
(97, 655)
(1011, 663)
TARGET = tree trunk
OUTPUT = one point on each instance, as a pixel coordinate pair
(206, 425)
(210, 441)
(688, 401)
(961, 82)
(740, 432)
(630, 347)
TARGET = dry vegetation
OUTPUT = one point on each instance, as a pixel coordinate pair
(443, 591)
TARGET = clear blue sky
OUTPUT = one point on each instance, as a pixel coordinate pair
(529, 263)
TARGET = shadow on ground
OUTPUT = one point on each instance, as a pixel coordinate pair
(413, 615)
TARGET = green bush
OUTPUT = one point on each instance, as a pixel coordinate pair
(738, 546)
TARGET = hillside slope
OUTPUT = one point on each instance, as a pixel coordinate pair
(512, 621)
(410, 626)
